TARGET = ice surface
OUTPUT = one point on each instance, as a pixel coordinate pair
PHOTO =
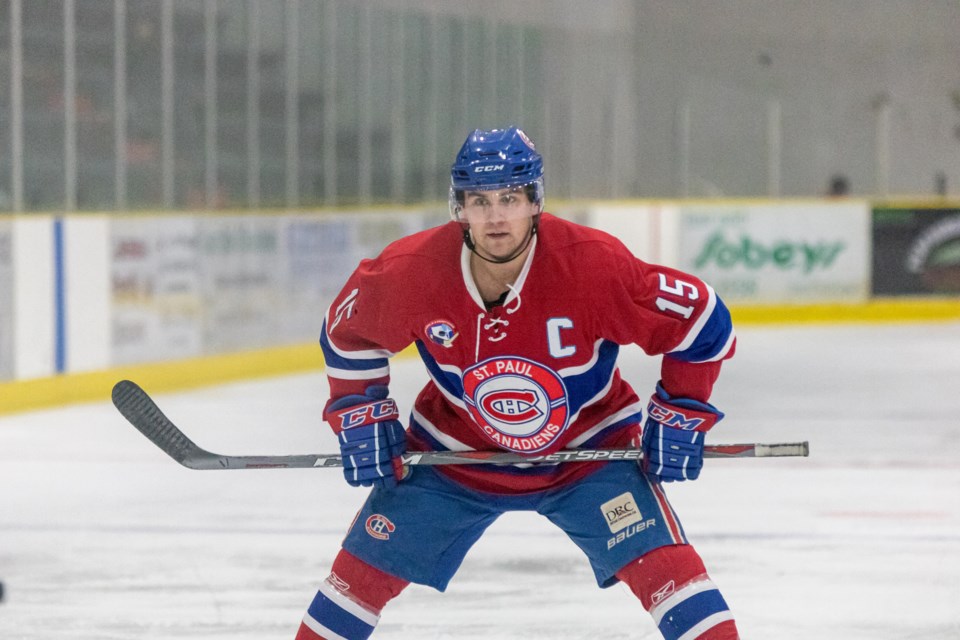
(103, 537)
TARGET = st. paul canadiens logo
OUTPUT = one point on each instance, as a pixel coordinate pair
(520, 404)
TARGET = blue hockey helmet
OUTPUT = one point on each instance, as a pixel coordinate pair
(496, 159)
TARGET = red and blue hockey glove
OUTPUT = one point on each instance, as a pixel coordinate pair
(673, 436)
(371, 437)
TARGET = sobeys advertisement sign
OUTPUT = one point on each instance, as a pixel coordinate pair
(778, 252)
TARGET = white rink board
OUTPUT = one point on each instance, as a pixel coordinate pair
(6, 299)
(86, 288)
(33, 297)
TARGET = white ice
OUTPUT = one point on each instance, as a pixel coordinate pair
(103, 537)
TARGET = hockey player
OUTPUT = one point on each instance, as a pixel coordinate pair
(518, 317)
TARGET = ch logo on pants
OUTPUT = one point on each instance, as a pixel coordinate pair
(379, 527)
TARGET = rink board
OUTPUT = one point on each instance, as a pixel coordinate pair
(190, 299)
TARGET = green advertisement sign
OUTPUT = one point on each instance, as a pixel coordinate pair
(778, 252)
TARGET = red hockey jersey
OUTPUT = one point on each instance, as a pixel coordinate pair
(537, 373)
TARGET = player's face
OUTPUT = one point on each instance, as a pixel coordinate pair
(500, 220)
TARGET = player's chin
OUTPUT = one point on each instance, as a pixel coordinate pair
(500, 250)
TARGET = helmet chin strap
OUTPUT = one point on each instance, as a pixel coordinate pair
(467, 240)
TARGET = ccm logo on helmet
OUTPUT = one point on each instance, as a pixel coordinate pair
(489, 167)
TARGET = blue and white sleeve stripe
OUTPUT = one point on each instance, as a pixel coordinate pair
(711, 337)
(353, 365)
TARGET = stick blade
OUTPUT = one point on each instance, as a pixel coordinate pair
(143, 413)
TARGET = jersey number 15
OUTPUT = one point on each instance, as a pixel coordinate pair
(680, 289)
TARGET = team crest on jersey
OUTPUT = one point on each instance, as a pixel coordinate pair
(521, 405)
(441, 332)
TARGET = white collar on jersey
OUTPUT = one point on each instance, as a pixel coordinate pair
(514, 288)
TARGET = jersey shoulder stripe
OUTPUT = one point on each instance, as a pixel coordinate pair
(449, 382)
(591, 383)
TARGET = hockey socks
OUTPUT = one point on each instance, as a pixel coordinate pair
(672, 584)
(348, 603)
(334, 616)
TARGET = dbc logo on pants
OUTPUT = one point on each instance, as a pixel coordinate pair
(621, 512)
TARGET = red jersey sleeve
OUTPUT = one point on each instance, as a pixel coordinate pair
(362, 330)
(669, 312)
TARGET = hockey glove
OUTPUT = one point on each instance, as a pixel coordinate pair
(673, 436)
(371, 437)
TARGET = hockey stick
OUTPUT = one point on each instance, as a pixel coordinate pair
(143, 413)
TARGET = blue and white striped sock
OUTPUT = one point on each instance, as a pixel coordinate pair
(691, 611)
(334, 616)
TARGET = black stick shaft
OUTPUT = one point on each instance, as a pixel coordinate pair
(143, 413)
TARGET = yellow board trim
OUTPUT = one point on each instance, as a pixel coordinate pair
(95, 386)
(176, 375)
(38, 393)
(876, 311)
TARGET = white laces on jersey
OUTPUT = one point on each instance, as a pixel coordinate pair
(517, 307)
(495, 322)
(487, 326)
